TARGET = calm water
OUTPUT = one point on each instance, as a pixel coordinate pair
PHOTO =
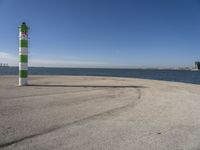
(167, 75)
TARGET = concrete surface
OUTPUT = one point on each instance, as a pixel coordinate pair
(98, 113)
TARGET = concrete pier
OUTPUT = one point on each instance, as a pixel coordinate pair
(85, 113)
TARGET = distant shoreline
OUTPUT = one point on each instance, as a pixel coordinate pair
(181, 68)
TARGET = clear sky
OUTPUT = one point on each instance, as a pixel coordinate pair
(103, 33)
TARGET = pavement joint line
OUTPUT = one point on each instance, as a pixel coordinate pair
(111, 111)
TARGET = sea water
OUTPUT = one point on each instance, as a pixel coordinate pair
(185, 76)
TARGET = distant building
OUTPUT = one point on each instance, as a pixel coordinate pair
(3, 64)
(197, 65)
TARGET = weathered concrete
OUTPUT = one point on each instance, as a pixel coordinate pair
(98, 113)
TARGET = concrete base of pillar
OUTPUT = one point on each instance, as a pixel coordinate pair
(23, 81)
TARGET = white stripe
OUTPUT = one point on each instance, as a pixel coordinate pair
(23, 50)
(23, 66)
(22, 36)
(23, 81)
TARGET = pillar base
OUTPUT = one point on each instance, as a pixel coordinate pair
(23, 81)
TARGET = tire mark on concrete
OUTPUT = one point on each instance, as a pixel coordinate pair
(52, 94)
(93, 87)
(108, 112)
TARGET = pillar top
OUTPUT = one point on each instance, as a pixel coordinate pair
(24, 27)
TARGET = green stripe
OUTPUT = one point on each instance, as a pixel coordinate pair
(23, 73)
(24, 43)
(23, 58)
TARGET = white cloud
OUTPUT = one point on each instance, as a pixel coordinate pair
(12, 60)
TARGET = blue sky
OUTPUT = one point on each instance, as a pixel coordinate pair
(103, 33)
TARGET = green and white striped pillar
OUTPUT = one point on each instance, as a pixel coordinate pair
(23, 54)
